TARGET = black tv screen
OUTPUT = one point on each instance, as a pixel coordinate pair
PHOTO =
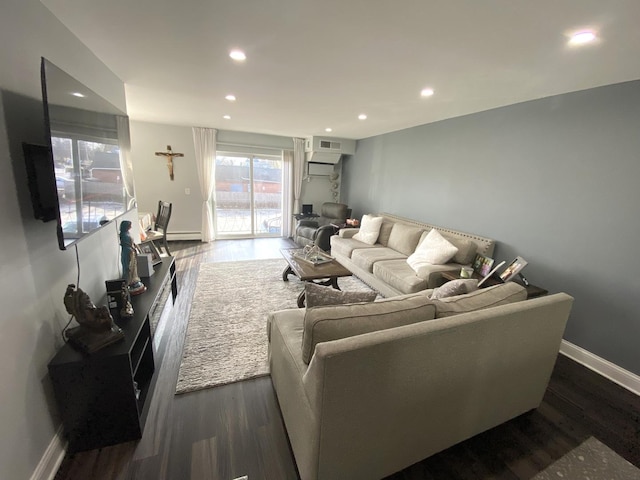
(89, 149)
(41, 178)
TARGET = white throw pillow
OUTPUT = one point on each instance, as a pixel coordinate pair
(369, 229)
(434, 250)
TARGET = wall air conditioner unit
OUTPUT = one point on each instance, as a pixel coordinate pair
(328, 150)
(316, 168)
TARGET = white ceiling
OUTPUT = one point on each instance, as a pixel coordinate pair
(314, 64)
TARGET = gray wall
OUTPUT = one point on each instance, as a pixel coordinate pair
(34, 271)
(553, 180)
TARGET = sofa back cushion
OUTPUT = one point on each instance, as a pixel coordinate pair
(483, 298)
(385, 233)
(466, 249)
(327, 323)
(404, 238)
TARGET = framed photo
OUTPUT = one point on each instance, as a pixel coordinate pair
(149, 248)
(513, 269)
(482, 265)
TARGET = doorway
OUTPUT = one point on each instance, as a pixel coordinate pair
(248, 195)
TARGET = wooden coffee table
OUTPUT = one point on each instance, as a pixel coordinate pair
(324, 274)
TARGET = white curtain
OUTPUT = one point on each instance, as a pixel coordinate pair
(298, 171)
(204, 141)
(287, 197)
(124, 144)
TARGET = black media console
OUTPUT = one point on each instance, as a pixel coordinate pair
(102, 397)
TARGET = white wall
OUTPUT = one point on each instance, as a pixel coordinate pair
(152, 177)
(34, 272)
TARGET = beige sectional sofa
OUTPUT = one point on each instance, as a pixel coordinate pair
(384, 267)
(366, 390)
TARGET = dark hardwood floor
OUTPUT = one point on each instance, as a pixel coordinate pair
(227, 432)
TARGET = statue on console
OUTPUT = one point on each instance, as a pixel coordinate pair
(129, 261)
(97, 329)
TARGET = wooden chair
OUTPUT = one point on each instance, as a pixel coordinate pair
(159, 231)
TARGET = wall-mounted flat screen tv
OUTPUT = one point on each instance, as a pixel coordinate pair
(89, 144)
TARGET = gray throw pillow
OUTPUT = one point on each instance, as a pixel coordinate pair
(318, 295)
(455, 287)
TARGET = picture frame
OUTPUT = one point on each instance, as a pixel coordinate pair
(513, 269)
(482, 264)
(149, 248)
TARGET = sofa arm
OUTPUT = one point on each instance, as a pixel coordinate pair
(348, 232)
(307, 223)
(323, 236)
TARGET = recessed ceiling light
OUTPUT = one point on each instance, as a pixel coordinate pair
(231, 98)
(328, 130)
(426, 92)
(227, 117)
(78, 94)
(582, 38)
(238, 55)
(362, 116)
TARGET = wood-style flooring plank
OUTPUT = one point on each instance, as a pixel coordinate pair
(225, 432)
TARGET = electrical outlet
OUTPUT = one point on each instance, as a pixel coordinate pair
(187, 191)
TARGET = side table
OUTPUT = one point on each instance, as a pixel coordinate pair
(533, 291)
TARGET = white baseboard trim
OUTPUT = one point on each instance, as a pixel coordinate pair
(185, 236)
(609, 370)
(52, 458)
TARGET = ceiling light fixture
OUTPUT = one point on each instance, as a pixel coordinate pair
(77, 94)
(231, 98)
(227, 117)
(362, 116)
(427, 92)
(238, 55)
(328, 130)
(582, 38)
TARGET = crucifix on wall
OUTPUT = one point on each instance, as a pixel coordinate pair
(169, 154)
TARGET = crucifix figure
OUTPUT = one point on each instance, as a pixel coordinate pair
(169, 154)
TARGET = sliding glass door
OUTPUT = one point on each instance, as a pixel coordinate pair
(248, 195)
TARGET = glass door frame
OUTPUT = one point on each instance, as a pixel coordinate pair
(254, 230)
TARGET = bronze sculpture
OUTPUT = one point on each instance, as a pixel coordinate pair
(97, 329)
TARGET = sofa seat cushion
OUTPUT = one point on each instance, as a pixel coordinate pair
(399, 275)
(324, 324)
(433, 273)
(404, 238)
(346, 246)
(366, 257)
(483, 298)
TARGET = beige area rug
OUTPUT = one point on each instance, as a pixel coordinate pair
(226, 338)
(592, 460)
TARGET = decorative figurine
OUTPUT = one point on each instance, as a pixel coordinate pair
(127, 309)
(96, 329)
(128, 259)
